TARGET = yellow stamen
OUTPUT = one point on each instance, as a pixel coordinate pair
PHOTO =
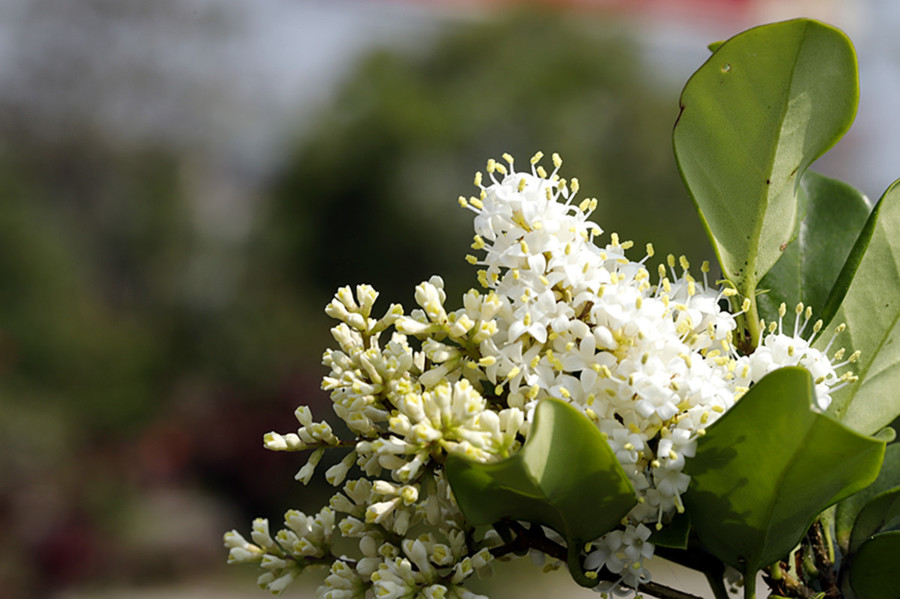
(557, 161)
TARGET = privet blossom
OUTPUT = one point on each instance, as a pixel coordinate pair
(645, 353)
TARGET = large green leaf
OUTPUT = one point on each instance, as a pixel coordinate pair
(766, 469)
(873, 572)
(565, 477)
(766, 104)
(808, 269)
(848, 509)
(871, 311)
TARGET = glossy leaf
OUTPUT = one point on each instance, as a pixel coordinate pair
(871, 311)
(873, 572)
(848, 509)
(766, 469)
(766, 104)
(565, 477)
(882, 513)
(834, 215)
(675, 535)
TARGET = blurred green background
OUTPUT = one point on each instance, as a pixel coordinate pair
(161, 301)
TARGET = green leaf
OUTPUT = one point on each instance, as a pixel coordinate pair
(766, 469)
(873, 572)
(675, 534)
(565, 477)
(766, 104)
(882, 513)
(871, 311)
(808, 270)
(848, 509)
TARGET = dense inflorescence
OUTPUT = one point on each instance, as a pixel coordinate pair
(647, 356)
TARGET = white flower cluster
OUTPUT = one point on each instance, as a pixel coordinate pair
(652, 364)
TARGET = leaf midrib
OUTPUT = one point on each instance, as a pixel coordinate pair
(751, 265)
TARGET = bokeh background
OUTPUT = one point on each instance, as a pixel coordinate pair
(184, 184)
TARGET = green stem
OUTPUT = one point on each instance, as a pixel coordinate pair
(827, 520)
(751, 330)
(750, 585)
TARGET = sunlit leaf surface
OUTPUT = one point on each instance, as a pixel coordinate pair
(833, 215)
(765, 105)
(767, 468)
(871, 311)
(565, 477)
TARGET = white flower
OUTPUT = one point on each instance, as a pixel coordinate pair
(240, 551)
(649, 360)
(342, 582)
(777, 350)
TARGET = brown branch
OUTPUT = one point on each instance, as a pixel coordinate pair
(827, 574)
(534, 538)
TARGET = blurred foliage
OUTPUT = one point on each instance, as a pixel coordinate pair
(370, 197)
(87, 241)
(118, 379)
(139, 351)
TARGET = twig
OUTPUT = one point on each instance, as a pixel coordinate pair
(534, 538)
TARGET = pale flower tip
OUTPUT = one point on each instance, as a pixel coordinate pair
(303, 415)
(537, 157)
(304, 475)
(274, 442)
(277, 586)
